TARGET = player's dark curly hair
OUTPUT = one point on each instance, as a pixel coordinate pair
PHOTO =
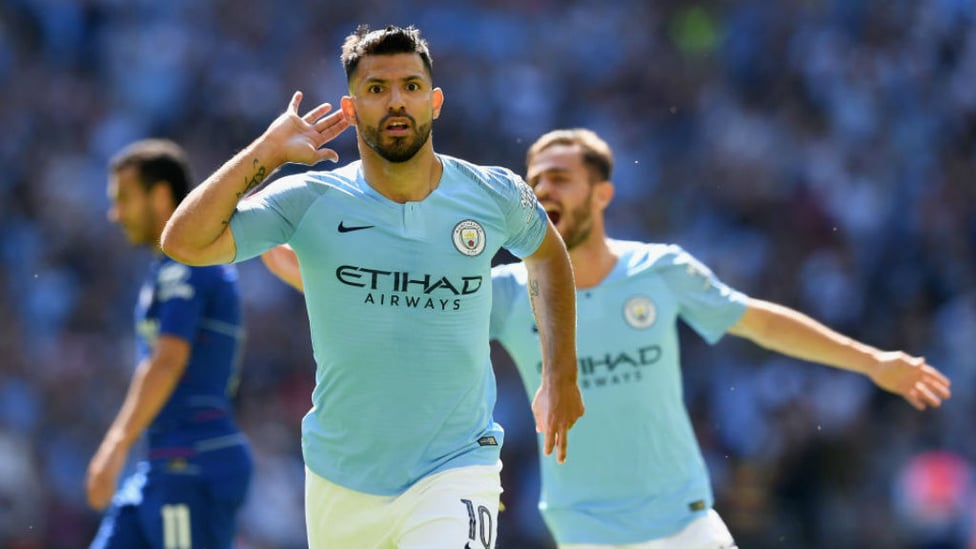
(389, 41)
(156, 161)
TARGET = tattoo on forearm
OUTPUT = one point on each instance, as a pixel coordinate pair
(534, 292)
(259, 173)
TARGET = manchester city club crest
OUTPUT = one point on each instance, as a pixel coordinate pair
(639, 311)
(469, 237)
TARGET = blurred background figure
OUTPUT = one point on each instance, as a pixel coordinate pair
(935, 501)
(631, 298)
(190, 483)
(820, 154)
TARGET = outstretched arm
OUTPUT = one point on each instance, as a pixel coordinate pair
(283, 263)
(558, 403)
(198, 233)
(151, 386)
(792, 333)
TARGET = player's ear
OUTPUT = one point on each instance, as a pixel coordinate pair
(161, 198)
(348, 106)
(603, 194)
(437, 98)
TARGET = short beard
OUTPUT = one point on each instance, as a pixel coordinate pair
(578, 236)
(144, 236)
(582, 224)
(402, 149)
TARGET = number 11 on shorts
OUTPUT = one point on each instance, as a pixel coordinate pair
(176, 526)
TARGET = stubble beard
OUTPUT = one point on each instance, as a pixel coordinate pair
(141, 235)
(578, 223)
(579, 231)
(402, 148)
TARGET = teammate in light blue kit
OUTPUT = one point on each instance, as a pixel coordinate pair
(637, 479)
(395, 250)
(187, 492)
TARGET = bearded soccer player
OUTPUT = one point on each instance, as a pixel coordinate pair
(631, 295)
(400, 445)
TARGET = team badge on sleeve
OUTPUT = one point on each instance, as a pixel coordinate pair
(174, 281)
(698, 269)
(527, 198)
(640, 312)
(469, 237)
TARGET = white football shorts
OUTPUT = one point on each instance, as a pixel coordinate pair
(452, 509)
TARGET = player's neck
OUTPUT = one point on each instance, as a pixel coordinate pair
(154, 245)
(592, 260)
(410, 181)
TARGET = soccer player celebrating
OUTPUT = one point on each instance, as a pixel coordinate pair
(395, 249)
(656, 494)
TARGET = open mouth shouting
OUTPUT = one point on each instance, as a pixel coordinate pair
(398, 126)
(554, 213)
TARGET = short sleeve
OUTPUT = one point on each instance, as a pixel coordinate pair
(705, 303)
(181, 294)
(525, 218)
(503, 293)
(268, 218)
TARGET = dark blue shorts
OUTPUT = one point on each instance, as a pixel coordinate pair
(161, 509)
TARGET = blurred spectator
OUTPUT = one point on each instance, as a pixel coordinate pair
(935, 499)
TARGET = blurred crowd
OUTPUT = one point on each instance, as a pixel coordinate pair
(818, 153)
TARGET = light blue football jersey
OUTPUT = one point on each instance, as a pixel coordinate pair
(634, 470)
(399, 300)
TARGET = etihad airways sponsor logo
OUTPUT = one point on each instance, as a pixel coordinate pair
(406, 289)
(615, 368)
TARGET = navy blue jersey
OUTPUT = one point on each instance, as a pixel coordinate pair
(189, 490)
(202, 306)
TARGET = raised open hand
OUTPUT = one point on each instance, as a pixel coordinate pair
(302, 139)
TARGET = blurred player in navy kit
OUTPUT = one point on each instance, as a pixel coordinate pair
(187, 491)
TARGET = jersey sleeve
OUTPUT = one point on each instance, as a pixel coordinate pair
(181, 294)
(525, 218)
(705, 303)
(503, 293)
(269, 218)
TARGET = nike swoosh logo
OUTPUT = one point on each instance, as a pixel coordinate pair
(345, 229)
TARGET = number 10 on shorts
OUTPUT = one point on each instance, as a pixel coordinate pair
(479, 524)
